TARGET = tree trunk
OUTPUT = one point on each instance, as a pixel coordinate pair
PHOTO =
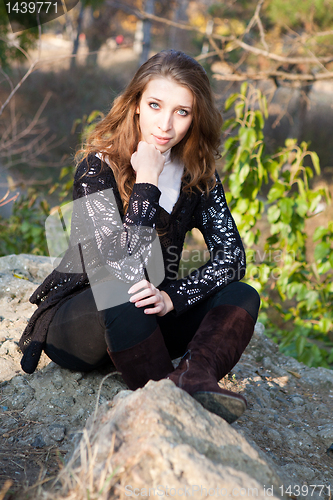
(178, 38)
(299, 112)
(77, 39)
(149, 9)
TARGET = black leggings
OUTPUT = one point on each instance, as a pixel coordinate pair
(79, 334)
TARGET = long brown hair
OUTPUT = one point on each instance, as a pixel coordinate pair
(117, 135)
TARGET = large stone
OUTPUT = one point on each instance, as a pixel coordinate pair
(19, 277)
(164, 440)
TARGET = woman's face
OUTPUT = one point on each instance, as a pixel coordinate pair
(165, 113)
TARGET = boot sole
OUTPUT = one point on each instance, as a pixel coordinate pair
(227, 407)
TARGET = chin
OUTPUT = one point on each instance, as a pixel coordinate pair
(162, 149)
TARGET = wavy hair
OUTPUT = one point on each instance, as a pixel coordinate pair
(117, 135)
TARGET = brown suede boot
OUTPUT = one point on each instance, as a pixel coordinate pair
(148, 360)
(214, 350)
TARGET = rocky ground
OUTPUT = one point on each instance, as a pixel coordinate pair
(42, 415)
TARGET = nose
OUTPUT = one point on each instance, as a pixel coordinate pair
(165, 121)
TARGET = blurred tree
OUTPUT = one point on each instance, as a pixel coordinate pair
(10, 44)
(179, 39)
(98, 27)
(78, 33)
(288, 43)
(309, 15)
(149, 8)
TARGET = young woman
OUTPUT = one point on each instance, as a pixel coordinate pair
(156, 151)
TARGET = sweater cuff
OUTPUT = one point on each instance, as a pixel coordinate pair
(149, 191)
(179, 301)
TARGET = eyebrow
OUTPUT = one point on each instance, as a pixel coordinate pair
(160, 100)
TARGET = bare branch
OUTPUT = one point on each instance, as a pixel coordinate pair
(15, 89)
(205, 56)
(320, 33)
(282, 59)
(318, 61)
(237, 41)
(32, 124)
(217, 49)
(257, 21)
(7, 78)
(4, 201)
(283, 75)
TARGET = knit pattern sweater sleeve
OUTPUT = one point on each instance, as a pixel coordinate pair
(227, 256)
(107, 236)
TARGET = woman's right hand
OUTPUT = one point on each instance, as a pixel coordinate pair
(147, 162)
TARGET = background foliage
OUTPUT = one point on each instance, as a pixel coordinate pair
(298, 286)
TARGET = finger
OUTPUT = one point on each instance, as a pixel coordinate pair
(138, 286)
(142, 295)
(146, 292)
(153, 310)
(147, 302)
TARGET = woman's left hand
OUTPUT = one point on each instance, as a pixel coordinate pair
(145, 294)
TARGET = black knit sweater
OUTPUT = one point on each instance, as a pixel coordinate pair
(210, 214)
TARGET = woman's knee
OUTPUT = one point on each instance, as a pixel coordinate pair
(242, 295)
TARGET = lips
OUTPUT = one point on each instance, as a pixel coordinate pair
(162, 140)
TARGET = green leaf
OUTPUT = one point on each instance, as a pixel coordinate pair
(243, 88)
(231, 141)
(276, 191)
(286, 207)
(249, 238)
(244, 172)
(247, 138)
(311, 299)
(324, 267)
(230, 123)
(325, 325)
(273, 213)
(93, 115)
(229, 102)
(319, 233)
(293, 289)
(321, 251)
(239, 107)
(242, 205)
(290, 143)
(301, 207)
(300, 344)
(259, 119)
(315, 161)
(314, 202)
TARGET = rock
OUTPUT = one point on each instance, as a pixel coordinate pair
(275, 436)
(329, 451)
(57, 432)
(159, 432)
(326, 432)
(164, 438)
(38, 442)
(19, 277)
(297, 400)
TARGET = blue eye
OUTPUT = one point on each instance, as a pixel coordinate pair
(154, 105)
(182, 112)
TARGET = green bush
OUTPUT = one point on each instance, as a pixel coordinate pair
(297, 286)
(24, 230)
